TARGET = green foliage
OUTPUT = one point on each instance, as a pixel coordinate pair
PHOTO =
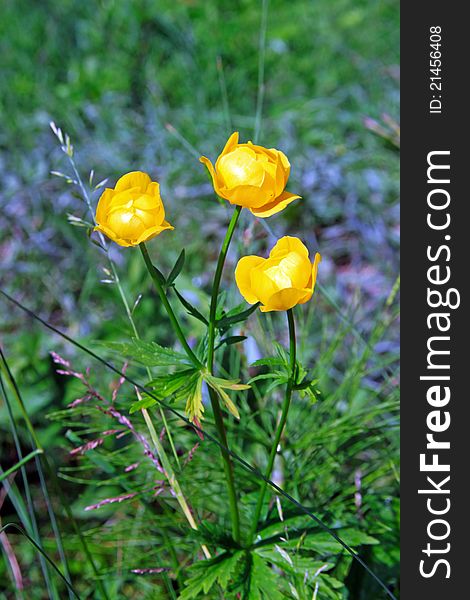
(114, 77)
(204, 575)
(149, 354)
(235, 315)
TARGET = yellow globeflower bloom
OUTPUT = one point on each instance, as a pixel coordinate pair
(281, 281)
(251, 176)
(133, 211)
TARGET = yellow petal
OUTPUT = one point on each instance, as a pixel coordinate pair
(248, 196)
(263, 285)
(210, 167)
(103, 203)
(153, 189)
(240, 167)
(147, 202)
(243, 276)
(298, 268)
(151, 232)
(313, 279)
(111, 235)
(275, 206)
(232, 142)
(133, 179)
(283, 300)
(284, 161)
(288, 244)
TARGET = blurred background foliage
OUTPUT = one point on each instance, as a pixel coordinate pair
(151, 85)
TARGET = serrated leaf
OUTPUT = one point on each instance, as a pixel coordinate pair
(149, 354)
(176, 270)
(263, 581)
(190, 308)
(206, 573)
(178, 384)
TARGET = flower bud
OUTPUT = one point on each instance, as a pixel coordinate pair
(133, 211)
(251, 176)
(281, 281)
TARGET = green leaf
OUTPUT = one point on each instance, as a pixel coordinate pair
(176, 270)
(219, 385)
(177, 384)
(232, 339)
(236, 317)
(190, 308)
(159, 275)
(144, 402)
(194, 406)
(268, 362)
(220, 308)
(149, 354)
(206, 573)
(262, 583)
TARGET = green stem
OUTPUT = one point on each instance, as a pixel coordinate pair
(171, 315)
(19, 464)
(228, 467)
(282, 421)
(216, 286)
(218, 417)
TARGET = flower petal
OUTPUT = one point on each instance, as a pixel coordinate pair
(210, 167)
(240, 167)
(283, 299)
(232, 142)
(274, 206)
(288, 244)
(111, 235)
(248, 196)
(133, 179)
(243, 276)
(151, 232)
(103, 203)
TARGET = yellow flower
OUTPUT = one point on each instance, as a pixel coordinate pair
(281, 281)
(251, 176)
(133, 211)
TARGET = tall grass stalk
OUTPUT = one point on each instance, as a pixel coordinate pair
(261, 65)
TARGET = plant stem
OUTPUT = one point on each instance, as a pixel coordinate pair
(228, 467)
(282, 420)
(216, 286)
(218, 417)
(19, 464)
(171, 315)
